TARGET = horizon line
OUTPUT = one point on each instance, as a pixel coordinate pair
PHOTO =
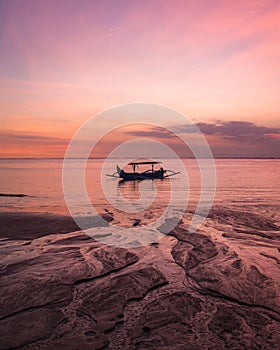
(60, 158)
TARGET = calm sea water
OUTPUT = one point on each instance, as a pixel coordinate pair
(239, 181)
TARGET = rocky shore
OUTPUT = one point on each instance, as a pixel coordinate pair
(218, 288)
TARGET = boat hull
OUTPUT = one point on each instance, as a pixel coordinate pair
(159, 174)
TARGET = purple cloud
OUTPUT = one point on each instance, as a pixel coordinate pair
(236, 129)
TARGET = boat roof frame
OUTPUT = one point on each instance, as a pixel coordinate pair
(142, 163)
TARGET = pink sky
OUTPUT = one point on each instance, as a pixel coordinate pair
(215, 61)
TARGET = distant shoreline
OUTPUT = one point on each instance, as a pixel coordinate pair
(101, 158)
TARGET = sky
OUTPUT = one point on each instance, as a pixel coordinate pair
(216, 61)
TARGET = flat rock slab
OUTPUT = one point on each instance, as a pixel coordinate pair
(218, 288)
(27, 226)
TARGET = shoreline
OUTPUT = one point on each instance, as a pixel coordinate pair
(101, 158)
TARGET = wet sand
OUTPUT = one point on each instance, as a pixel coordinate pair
(216, 289)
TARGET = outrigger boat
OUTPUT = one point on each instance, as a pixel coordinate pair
(150, 174)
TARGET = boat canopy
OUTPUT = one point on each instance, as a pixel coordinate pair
(140, 163)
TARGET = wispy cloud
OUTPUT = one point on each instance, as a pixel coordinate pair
(12, 138)
(151, 132)
(236, 129)
(226, 139)
(30, 145)
(216, 54)
(230, 129)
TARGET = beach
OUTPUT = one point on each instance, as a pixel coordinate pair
(216, 288)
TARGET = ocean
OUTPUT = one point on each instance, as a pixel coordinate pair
(249, 182)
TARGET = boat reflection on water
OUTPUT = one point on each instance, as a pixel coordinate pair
(131, 190)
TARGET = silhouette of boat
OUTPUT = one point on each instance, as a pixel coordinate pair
(149, 174)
